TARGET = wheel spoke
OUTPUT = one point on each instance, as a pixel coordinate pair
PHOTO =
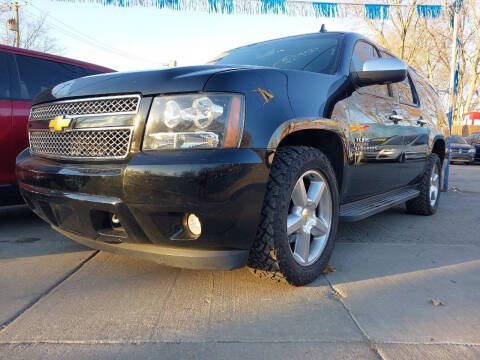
(324, 208)
(315, 191)
(294, 223)
(309, 218)
(299, 194)
(321, 226)
(434, 186)
(302, 246)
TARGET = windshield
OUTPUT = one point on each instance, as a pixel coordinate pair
(458, 140)
(317, 53)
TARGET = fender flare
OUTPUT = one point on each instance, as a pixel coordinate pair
(336, 126)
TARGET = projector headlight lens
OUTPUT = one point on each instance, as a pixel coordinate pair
(212, 120)
(172, 114)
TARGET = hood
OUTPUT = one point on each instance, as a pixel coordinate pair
(150, 82)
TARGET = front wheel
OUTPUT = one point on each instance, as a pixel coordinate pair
(427, 202)
(299, 220)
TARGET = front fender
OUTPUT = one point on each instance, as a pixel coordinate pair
(266, 98)
(280, 102)
(336, 125)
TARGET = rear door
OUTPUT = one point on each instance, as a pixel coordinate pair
(7, 159)
(376, 137)
(418, 122)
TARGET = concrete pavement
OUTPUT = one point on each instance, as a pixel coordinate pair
(61, 300)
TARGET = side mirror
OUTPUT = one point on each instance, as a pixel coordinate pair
(380, 71)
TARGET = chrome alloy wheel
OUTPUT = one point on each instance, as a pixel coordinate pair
(434, 186)
(310, 217)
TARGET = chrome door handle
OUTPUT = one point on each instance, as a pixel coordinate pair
(421, 122)
(395, 117)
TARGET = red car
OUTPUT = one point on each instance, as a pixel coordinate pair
(23, 74)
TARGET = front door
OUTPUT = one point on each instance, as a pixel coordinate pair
(376, 135)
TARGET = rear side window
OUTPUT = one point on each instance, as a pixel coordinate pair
(37, 74)
(4, 77)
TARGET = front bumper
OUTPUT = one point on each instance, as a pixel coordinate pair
(464, 157)
(150, 195)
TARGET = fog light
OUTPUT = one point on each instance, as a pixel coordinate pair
(194, 225)
(115, 220)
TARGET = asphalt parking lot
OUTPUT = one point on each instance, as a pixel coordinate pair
(59, 300)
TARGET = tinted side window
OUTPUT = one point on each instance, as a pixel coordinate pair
(361, 53)
(4, 77)
(404, 91)
(84, 71)
(37, 75)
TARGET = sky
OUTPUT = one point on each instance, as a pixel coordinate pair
(147, 38)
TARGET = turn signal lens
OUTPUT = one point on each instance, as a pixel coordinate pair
(233, 128)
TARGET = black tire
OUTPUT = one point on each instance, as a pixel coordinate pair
(421, 205)
(270, 255)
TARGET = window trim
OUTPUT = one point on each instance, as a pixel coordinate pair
(413, 90)
(416, 99)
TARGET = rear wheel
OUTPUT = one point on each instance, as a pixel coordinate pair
(427, 202)
(296, 235)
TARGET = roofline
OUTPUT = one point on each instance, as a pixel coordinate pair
(61, 59)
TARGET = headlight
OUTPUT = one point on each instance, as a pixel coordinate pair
(207, 121)
(472, 151)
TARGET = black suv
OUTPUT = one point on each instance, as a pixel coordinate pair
(252, 159)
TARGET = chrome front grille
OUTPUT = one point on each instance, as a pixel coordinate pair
(95, 144)
(112, 105)
(89, 143)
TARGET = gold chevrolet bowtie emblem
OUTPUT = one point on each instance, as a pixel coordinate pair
(59, 123)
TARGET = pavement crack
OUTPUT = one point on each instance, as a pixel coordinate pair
(373, 346)
(169, 293)
(46, 292)
(175, 342)
(454, 189)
